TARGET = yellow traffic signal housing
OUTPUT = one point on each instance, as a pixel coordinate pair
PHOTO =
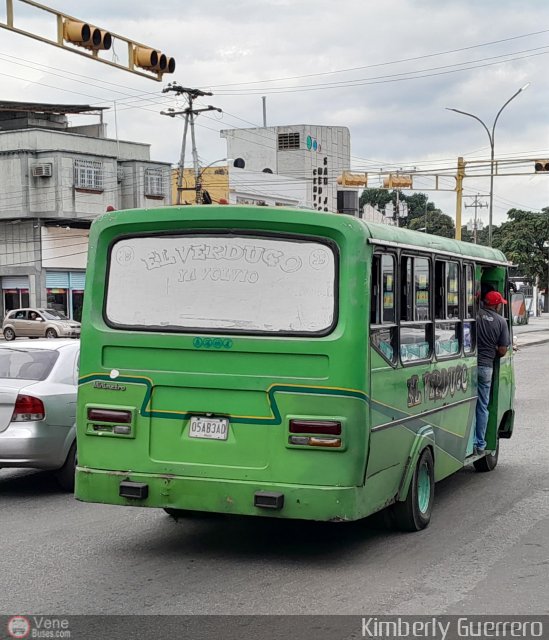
(153, 60)
(85, 35)
(541, 166)
(349, 179)
(397, 181)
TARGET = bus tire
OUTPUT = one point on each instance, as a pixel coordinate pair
(414, 513)
(489, 462)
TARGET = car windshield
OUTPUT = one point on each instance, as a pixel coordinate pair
(53, 314)
(26, 364)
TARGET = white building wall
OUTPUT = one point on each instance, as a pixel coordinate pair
(323, 153)
(252, 187)
(13, 190)
(44, 140)
(64, 248)
(257, 147)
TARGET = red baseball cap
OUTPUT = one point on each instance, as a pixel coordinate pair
(494, 298)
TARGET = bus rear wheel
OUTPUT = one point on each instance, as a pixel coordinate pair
(489, 462)
(414, 513)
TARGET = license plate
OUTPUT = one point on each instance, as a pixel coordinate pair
(210, 428)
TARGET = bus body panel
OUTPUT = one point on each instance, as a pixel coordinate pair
(164, 377)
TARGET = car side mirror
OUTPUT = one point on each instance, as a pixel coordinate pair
(41, 320)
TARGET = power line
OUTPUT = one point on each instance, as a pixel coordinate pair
(383, 64)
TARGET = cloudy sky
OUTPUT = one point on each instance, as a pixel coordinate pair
(386, 70)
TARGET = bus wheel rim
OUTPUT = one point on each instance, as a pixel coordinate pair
(423, 488)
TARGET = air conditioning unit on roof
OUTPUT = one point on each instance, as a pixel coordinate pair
(42, 170)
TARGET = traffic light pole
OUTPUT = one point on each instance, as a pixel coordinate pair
(78, 36)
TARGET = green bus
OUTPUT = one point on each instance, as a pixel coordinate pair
(280, 362)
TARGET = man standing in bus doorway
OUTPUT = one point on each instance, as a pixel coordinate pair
(493, 341)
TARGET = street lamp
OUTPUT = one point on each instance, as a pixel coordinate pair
(198, 179)
(491, 138)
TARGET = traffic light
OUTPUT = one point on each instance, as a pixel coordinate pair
(541, 166)
(397, 181)
(153, 60)
(85, 35)
(348, 179)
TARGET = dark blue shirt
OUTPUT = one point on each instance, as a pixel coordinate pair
(492, 332)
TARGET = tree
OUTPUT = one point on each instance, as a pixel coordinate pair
(521, 239)
(436, 223)
(377, 198)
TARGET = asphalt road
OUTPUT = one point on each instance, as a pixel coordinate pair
(486, 551)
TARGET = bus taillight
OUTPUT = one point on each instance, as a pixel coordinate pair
(316, 427)
(316, 431)
(109, 415)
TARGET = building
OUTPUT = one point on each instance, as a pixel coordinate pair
(232, 185)
(314, 155)
(54, 180)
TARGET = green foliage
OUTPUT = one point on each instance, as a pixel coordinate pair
(435, 222)
(521, 238)
(376, 197)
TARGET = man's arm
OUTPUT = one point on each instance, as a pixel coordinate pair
(504, 340)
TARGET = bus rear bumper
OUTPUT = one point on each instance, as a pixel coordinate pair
(236, 497)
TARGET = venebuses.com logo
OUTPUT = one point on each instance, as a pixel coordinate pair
(22, 627)
(19, 627)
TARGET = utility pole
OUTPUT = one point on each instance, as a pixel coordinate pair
(459, 194)
(476, 204)
(190, 114)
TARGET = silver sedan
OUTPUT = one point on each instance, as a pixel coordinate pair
(38, 385)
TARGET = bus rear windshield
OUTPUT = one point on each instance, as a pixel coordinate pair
(220, 283)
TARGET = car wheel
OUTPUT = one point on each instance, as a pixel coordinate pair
(414, 513)
(65, 475)
(51, 333)
(9, 334)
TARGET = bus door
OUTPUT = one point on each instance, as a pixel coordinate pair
(494, 278)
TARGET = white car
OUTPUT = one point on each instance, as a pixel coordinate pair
(38, 385)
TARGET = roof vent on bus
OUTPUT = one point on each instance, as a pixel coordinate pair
(43, 170)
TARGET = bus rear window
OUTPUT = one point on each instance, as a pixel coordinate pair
(221, 283)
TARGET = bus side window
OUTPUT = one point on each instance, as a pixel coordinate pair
(447, 304)
(383, 309)
(416, 320)
(469, 324)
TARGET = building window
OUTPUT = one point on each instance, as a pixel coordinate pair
(88, 174)
(288, 141)
(154, 182)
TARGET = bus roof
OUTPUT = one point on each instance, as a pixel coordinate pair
(379, 234)
(388, 235)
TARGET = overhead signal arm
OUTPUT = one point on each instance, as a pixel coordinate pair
(80, 37)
